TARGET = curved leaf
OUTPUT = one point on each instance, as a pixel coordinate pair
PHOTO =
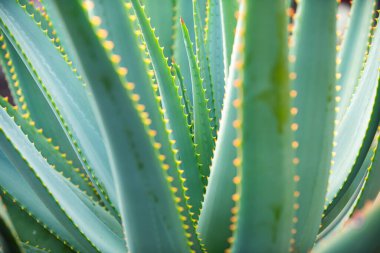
(352, 54)
(204, 143)
(359, 235)
(65, 92)
(218, 205)
(64, 200)
(31, 231)
(174, 112)
(355, 133)
(148, 207)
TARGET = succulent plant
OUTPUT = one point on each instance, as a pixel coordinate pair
(189, 126)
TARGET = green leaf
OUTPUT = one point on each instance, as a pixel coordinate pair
(229, 9)
(184, 9)
(215, 52)
(352, 55)
(10, 76)
(202, 12)
(358, 127)
(203, 62)
(162, 14)
(185, 98)
(334, 218)
(38, 13)
(78, 214)
(32, 103)
(372, 186)
(65, 92)
(130, 56)
(17, 188)
(204, 143)
(33, 249)
(31, 230)
(9, 242)
(314, 84)
(218, 205)
(265, 171)
(47, 149)
(359, 235)
(148, 207)
(174, 112)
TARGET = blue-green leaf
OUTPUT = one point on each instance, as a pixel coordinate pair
(184, 9)
(9, 241)
(66, 94)
(32, 104)
(185, 98)
(229, 9)
(355, 132)
(359, 235)
(76, 212)
(215, 50)
(148, 207)
(54, 157)
(162, 14)
(218, 205)
(31, 230)
(352, 54)
(203, 62)
(314, 85)
(336, 215)
(202, 129)
(174, 112)
(372, 186)
(265, 186)
(10, 182)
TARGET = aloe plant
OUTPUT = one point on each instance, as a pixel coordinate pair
(189, 126)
